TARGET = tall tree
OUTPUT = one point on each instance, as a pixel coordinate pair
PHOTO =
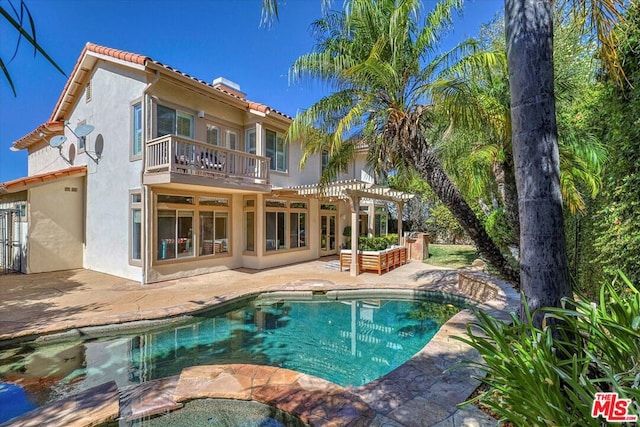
(383, 63)
(529, 36)
(478, 154)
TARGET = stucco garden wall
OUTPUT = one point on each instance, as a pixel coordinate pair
(56, 224)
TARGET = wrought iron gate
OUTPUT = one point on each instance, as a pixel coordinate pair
(11, 241)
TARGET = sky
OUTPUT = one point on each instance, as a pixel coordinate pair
(204, 38)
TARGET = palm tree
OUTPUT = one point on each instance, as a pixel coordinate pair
(544, 271)
(386, 73)
(479, 154)
(17, 21)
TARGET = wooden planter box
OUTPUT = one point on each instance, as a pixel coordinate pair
(378, 261)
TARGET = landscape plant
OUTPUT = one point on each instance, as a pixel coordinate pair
(541, 376)
(381, 60)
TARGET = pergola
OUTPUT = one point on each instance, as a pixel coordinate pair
(355, 191)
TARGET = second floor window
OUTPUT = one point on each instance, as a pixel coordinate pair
(231, 140)
(213, 135)
(276, 150)
(325, 160)
(250, 141)
(173, 122)
(136, 146)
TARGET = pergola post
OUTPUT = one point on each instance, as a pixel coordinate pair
(354, 202)
(400, 207)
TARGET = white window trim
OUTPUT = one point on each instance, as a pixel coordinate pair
(133, 156)
(133, 206)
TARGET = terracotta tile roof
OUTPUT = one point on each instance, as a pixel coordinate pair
(47, 130)
(118, 54)
(72, 90)
(25, 183)
(142, 60)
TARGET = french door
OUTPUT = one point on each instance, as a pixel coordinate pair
(328, 235)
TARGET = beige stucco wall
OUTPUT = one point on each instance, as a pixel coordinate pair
(56, 224)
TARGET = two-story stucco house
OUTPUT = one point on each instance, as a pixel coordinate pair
(147, 173)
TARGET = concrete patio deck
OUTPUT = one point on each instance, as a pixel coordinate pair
(422, 392)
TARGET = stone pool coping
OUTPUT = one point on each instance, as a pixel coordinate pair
(423, 391)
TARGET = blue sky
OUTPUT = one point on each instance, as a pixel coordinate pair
(204, 38)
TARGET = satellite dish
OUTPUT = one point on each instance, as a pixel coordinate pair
(72, 153)
(99, 145)
(83, 130)
(57, 141)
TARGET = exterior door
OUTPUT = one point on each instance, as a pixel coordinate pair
(328, 235)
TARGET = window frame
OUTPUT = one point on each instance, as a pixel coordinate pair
(192, 202)
(324, 160)
(288, 211)
(136, 110)
(81, 141)
(228, 133)
(249, 207)
(211, 127)
(135, 204)
(177, 114)
(250, 141)
(278, 141)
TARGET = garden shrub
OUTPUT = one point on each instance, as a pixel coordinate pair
(549, 376)
(372, 243)
(392, 239)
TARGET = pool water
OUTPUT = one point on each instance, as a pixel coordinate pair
(345, 342)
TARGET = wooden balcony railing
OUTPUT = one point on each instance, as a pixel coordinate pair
(181, 155)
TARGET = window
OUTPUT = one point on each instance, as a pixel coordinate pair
(214, 232)
(275, 231)
(324, 160)
(213, 135)
(249, 229)
(381, 220)
(231, 140)
(173, 122)
(82, 140)
(249, 219)
(136, 137)
(286, 225)
(276, 150)
(250, 141)
(297, 225)
(135, 231)
(175, 233)
(192, 226)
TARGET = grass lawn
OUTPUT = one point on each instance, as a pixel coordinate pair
(453, 256)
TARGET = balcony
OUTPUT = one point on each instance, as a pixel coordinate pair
(173, 159)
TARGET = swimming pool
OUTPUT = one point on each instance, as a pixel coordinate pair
(348, 342)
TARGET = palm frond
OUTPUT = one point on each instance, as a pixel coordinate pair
(29, 34)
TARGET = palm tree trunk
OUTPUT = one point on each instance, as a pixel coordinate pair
(431, 170)
(505, 178)
(543, 262)
(510, 199)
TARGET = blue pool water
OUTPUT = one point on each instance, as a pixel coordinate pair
(346, 342)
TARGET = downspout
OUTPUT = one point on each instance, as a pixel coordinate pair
(146, 193)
